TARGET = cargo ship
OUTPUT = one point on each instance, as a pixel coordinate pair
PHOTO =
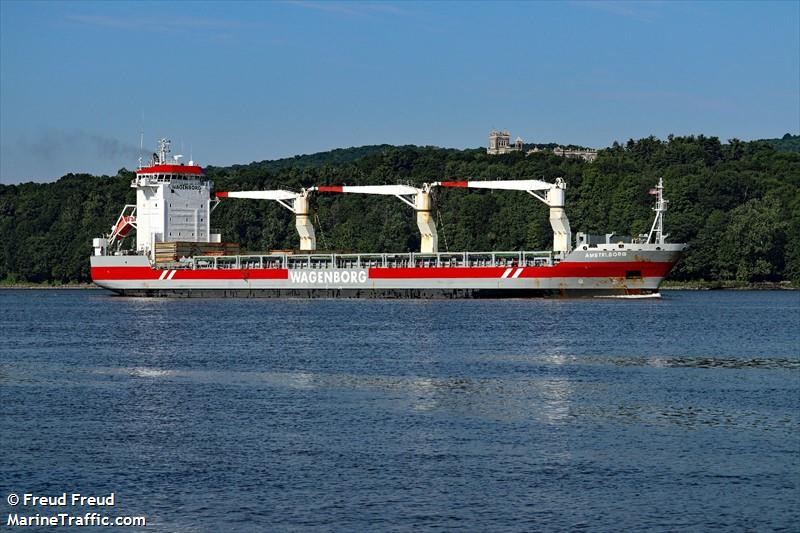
(177, 254)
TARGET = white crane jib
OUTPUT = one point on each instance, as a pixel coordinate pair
(554, 197)
(299, 206)
(418, 199)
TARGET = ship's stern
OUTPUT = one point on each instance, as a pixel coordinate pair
(119, 272)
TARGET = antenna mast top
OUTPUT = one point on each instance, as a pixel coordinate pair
(163, 150)
(141, 147)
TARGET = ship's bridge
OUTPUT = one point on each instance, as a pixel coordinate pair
(165, 173)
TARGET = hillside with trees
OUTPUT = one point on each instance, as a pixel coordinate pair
(787, 143)
(737, 204)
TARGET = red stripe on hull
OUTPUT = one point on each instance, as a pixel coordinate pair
(436, 272)
(124, 273)
(246, 273)
(146, 273)
(566, 269)
(562, 270)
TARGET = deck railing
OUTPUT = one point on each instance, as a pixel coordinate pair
(346, 261)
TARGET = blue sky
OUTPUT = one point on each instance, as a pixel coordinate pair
(238, 82)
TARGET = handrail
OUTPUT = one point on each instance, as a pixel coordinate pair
(396, 260)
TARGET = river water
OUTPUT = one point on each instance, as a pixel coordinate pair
(518, 415)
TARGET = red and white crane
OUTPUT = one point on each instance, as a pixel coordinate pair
(299, 206)
(417, 198)
(553, 197)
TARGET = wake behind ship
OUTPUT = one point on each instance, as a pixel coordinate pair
(176, 253)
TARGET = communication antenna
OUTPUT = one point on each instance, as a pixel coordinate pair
(141, 146)
(141, 139)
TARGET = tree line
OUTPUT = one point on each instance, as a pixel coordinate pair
(736, 204)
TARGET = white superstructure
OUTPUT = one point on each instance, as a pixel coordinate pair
(173, 203)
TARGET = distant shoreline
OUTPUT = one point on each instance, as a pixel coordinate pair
(727, 286)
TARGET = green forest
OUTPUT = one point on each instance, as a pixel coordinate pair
(736, 204)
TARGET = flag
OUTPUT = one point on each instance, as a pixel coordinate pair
(654, 192)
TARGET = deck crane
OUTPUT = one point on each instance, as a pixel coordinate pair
(553, 197)
(417, 198)
(299, 206)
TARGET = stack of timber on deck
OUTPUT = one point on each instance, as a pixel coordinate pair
(172, 251)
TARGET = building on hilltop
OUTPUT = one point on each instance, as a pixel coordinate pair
(586, 155)
(499, 143)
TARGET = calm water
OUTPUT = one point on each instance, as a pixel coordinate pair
(246, 415)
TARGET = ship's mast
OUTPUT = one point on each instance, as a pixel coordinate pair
(656, 235)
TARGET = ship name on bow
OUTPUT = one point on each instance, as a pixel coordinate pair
(606, 254)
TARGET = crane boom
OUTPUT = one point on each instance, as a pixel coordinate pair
(279, 194)
(510, 185)
(388, 190)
